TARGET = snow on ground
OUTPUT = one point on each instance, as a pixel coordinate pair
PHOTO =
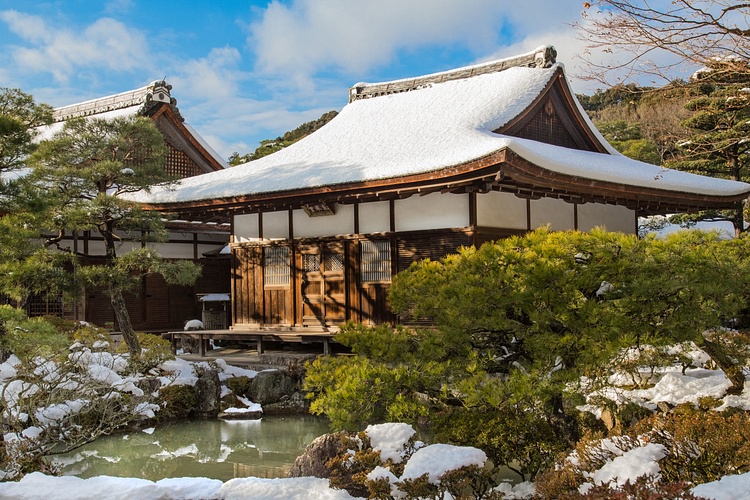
(37, 485)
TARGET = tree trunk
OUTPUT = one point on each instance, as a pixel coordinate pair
(115, 294)
(732, 370)
(123, 320)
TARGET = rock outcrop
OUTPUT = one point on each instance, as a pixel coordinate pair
(208, 393)
(313, 460)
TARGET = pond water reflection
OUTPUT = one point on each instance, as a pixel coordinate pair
(215, 449)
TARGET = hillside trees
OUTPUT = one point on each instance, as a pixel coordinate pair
(84, 170)
(271, 146)
(519, 322)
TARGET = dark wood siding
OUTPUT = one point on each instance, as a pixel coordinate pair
(435, 246)
(326, 286)
(247, 285)
(157, 306)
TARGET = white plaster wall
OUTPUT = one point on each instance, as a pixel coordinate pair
(276, 225)
(95, 247)
(342, 222)
(246, 227)
(433, 211)
(174, 250)
(501, 210)
(180, 236)
(218, 238)
(559, 214)
(375, 217)
(611, 217)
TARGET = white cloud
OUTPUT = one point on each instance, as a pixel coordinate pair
(309, 35)
(106, 43)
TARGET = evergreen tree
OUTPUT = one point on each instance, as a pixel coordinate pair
(85, 169)
(720, 127)
(521, 323)
(269, 146)
(18, 115)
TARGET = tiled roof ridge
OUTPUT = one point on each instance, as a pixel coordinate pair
(542, 57)
(157, 91)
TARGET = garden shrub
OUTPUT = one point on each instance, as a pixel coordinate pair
(93, 337)
(350, 470)
(644, 488)
(31, 337)
(470, 482)
(702, 446)
(154, 351)
(519, 324)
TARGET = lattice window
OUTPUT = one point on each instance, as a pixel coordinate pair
(375, 259)
(311, 262)
(180, 164)
(45, 304)
(334, 261)
(276, 268)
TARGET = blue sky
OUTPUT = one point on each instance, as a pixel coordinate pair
(243, 71)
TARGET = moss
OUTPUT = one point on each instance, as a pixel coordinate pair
(240, 385)
(177, 401)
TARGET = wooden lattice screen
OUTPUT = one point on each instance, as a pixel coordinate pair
(546, 126)
(180, 165)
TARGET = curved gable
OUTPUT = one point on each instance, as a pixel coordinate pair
(553, 118)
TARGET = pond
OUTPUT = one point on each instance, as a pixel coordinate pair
(215, 449)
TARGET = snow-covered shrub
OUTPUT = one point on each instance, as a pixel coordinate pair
(55, 397)
(386, 461)
(685, 446)
(701, 446)
(383, 448)
(93, 337)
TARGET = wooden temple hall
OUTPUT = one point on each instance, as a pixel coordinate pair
(416, 168)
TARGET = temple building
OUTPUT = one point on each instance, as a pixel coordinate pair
(416, 168)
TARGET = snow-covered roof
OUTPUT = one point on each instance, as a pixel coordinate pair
(431, 127)
(130, 103)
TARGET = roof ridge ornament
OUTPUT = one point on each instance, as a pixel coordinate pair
(156, 91)
(542, 57)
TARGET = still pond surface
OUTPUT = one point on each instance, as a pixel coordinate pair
(215, 449)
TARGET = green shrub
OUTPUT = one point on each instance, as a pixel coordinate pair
(29, 338)
(154, 350)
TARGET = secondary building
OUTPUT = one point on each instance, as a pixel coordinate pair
(156, 306)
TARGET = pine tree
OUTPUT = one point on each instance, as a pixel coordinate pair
(18, 115)
(85, 170)
(721, 128)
